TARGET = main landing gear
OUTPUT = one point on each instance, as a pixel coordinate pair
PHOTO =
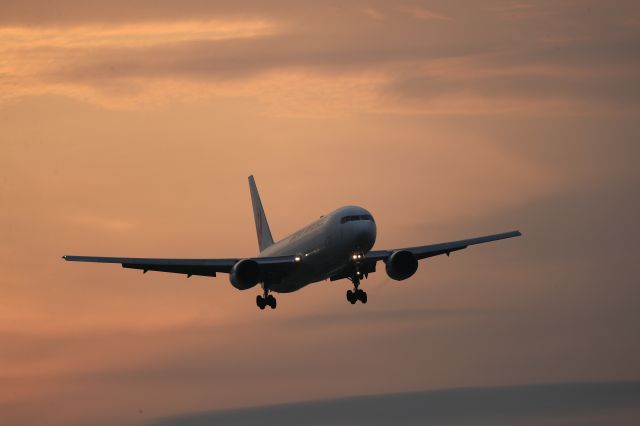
(266, 300)
(356, 294)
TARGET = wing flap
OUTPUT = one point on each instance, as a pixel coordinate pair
(177, 269)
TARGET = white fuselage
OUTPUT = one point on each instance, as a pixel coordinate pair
(325, 247)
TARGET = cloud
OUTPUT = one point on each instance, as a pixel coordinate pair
(423, 13)
(605, 91)
(74, 12)
(395, 63)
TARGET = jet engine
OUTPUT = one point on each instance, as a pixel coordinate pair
(245, 274)
(401, 265)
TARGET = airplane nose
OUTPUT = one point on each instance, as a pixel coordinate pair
(365, 235)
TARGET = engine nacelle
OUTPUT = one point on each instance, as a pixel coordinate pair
(401, 265)
(245, 274)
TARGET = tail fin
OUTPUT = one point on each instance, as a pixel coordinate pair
(262, 227)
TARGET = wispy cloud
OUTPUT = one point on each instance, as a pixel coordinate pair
(423, 13)
(147, 63)
(129, 35)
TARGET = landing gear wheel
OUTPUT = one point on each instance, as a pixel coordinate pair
(261, 302)
(362, 296)
(271, 301)
(351, 297)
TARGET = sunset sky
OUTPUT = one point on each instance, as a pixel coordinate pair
(128, 128)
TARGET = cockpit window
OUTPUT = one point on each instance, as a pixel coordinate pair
(346, 219)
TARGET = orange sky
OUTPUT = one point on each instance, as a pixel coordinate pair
(129, 128)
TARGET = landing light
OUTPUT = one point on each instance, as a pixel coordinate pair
(297, 259)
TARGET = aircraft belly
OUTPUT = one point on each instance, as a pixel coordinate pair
(321, 256)
(315, 267)
(306, 274)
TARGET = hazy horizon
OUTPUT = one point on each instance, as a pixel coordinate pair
(554, 404)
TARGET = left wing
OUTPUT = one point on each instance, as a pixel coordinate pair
(368, 264)
(422, 252)
(204, 267)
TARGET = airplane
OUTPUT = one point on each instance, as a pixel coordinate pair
(336, 246)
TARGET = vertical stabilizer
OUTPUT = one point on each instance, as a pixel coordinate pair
(262, 227)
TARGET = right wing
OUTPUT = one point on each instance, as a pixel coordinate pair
(204, 267)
